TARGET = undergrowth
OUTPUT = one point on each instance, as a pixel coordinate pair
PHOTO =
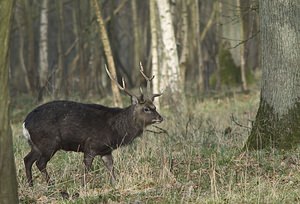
(196, 159)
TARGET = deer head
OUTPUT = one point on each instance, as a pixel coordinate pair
(144, 109)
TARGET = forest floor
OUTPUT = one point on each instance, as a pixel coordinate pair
(197, 160)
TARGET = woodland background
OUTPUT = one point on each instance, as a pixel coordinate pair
(205, 56)
(57, 49)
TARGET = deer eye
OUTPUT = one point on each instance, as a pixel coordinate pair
(147, 110)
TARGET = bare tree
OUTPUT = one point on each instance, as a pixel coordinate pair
(277, 119)
(8, 184)
(108, 53)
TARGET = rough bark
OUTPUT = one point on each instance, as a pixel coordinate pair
(278, 116)
(8, 184)
(108, 53)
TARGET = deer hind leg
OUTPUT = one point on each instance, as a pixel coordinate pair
(109, 164)
(42, 164)
(29, 159)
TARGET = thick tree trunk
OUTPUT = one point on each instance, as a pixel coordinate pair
(8, 181)
(108, 54)
(169, 49)
(278, 116)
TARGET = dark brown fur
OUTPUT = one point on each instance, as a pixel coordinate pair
(89, 128)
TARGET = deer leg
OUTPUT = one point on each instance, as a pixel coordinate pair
(41, 165)
(29, 159)
(108, 162)
(87, 160)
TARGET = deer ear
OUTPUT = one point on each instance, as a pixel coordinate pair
(134, 100)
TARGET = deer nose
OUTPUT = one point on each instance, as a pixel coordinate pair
(160, 118)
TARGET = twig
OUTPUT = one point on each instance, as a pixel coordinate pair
(162, 131)
(243, 41)
(237, 123)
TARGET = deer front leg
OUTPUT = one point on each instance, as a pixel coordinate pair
(88, 160)
(109, 164)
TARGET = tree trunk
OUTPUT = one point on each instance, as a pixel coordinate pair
(20, 21)
(154, 51)
(169, 51)
(244, 7)
(184, 43)
(32, 67)
(43, 48)
(8, 184)
(219, 40)
(108, 54)
(80, 48)
(136, 43)
(198, 50)
(278, 116)
(62, 81)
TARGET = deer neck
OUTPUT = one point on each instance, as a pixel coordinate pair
(126, 126)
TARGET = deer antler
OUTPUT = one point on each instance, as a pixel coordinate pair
(148, 79)
(123, 87)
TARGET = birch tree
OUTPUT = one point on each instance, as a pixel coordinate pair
(278, 116)
(171, 62)
(8, 184)
(154, 51)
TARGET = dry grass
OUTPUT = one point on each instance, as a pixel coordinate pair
(198, 161)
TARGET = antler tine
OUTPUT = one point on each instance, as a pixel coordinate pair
(123, 88)
(148, 79)
(144, 75)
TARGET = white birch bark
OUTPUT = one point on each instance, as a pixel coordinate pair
(154, 51)
(169, 46)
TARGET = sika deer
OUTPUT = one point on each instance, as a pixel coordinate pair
(89, 128)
